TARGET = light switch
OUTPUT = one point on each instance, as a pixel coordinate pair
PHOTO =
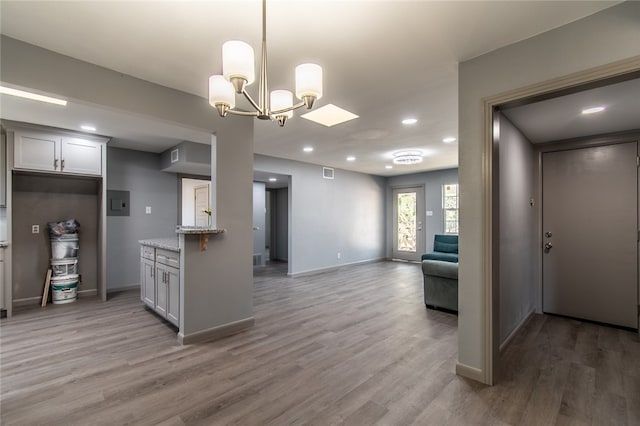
(35, 229)
(429, 213)
(147, 210)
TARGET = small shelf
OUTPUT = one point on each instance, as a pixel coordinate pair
(204, 233)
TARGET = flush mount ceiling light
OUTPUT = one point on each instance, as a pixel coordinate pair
(238, 72)
(351, 158)
(273, 180)
(409, 121)
(449, 139)
(308, 149)
(407, 157)
(593, 110)
(329, 115)
(32, 96)
(88, 127)
(388, 166)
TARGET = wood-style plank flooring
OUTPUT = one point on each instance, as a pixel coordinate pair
(354, 346)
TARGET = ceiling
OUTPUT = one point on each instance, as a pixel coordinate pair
(382, 60)
(561, 118)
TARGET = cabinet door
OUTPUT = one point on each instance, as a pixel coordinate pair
(148, 283)
(81, 156)
(173, 311)
(162, 290)
(36, 151)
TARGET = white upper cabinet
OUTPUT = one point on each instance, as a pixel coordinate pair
(53, 153)
(81, 156)
(36, 151)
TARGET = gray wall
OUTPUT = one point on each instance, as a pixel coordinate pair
(599, 39)
(259, 221)
(38, 200)
(345, 215)
(518, 221)
(432, 182)
(137, 172)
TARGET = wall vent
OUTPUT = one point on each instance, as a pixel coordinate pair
(175, 155)
(327, 172)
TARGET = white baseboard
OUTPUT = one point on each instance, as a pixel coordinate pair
(517, 328)
(216, 333)
(470, 372)
(335, 267)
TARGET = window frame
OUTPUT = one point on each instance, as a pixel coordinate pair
(446, 209)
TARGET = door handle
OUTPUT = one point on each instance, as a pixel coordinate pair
(548, 247)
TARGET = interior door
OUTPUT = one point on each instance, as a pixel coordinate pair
(590, 226)
(201, 195)
(408, 223)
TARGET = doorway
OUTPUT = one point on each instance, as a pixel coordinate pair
(408, 224)
(532, 98)
(195, 198)
(589, 220)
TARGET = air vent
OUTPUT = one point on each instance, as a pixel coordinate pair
(327, 172)
(174, 155)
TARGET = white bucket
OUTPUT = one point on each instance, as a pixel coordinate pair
(64, 246)
(62, 267)
(64, 289)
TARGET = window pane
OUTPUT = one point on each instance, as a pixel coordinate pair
(407, 222)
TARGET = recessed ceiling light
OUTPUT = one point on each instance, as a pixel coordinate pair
(273, 180)
(449, 139)
(33, 96)
(407, 157)
(329, 115)
(388, 166)
(88, 127)
(410, 121)
(308, 149)
(593, 110)
(351, 158)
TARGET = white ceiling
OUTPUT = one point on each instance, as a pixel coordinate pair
(561, 118)
(382, 60)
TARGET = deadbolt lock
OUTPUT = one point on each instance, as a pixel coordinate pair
(548, 234)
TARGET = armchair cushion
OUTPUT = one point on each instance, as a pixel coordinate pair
(437, 255)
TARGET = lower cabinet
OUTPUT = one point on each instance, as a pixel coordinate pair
(168, 293)
(160, 282)
(2, 278)
(148, 282)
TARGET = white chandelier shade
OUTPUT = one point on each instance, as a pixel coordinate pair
(308, 81)
(238, 61)
(238, 72)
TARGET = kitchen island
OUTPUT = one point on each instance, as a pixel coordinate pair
(180, 283)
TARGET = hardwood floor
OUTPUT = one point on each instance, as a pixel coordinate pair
(354, 346)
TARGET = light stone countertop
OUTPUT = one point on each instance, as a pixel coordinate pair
(4, 244)
(198, 230)
(163, 243)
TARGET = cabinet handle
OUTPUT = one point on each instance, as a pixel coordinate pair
(152, 273)
(55, 164)
(62, 165)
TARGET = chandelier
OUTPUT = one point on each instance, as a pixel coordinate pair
(238, 72)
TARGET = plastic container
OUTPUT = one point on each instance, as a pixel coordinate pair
(64, 289)
(64, 246)
(69, 226)
(61, 267)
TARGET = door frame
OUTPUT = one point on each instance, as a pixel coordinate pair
(420, 234)
(490, 260)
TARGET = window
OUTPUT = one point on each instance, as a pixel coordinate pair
(450, 203)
